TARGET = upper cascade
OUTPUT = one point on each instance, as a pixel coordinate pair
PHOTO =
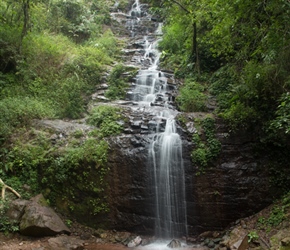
(152, 91)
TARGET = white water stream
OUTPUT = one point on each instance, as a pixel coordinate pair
(165, 151)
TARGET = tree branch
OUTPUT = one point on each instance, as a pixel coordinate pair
(181, 6)
(4, 187)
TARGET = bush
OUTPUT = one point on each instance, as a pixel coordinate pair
(106, 119)
(191, 97)
(6, 224)
(19, 111)
(239, 115)
(118, 82)
(206, 150)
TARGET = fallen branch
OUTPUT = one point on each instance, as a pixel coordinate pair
(4, 187)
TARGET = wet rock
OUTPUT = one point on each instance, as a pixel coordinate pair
(211, 244)
(102, 86)
(152, 125)
(40, 220)
(191, 128)
(65, 242)
(174, 244)
(98, 97)
(147, 241)
(135, 242)
(136, 124)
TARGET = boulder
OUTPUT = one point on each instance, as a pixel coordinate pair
(40, 220)
(16, 209)
(174, 244)
(135, 242)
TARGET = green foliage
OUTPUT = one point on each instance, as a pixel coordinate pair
(6, 224)
(206, 150)
(239, 115)
(176, 44)
(77, 173)
(57, 170)
(117, 83)
(275, 218)
(191, 97)
(253, 236)
(278, 214)
(221, 82)
(282, 115)
(19, 111)
(47, 64)
(79, 20)
(106, 119)
(69, 162)
(247, 54)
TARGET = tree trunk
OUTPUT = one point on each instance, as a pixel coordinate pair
(25, 6)
(195, 49)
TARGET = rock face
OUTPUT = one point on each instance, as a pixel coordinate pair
(130, 196)
(236, 186)
(40, 220)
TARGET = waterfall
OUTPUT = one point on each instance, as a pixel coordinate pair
(165, 150)
(165, 154)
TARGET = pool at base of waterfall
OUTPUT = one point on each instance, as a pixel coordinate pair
(163, 245)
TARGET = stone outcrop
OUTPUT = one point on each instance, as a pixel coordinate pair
(35, 218)
(236, 185)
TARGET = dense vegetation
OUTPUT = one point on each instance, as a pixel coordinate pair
(238, 52)
(53, 54)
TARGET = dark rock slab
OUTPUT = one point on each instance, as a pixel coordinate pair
(40, 220)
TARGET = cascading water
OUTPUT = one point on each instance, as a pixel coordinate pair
(165, 152)
(166, 157)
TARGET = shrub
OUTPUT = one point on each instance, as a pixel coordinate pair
(6, 224)
(118, 82)
(191, 97)
(19, 111)
(239, 115)
(106, 119)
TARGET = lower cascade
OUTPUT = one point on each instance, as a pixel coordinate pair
(168, 174)
(165, 163)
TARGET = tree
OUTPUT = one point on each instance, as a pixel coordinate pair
(25, 7)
